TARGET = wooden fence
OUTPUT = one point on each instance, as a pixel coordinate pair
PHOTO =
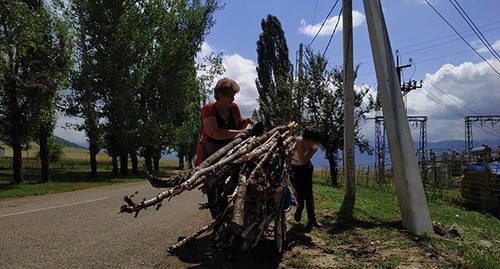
(34, 163)
(481, 190)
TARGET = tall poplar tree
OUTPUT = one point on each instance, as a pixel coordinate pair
(277, 95)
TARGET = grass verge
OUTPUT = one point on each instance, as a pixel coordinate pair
(374, 237)
(71, 179)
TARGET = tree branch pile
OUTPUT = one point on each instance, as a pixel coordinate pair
(251, 175)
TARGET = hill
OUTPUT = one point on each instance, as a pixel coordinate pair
(67, 143)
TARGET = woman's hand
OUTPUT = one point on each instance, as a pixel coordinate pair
(245, 122)
(243, 133)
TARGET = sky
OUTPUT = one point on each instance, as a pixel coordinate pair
(456, 81)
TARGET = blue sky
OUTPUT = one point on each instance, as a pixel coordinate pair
(441, 58)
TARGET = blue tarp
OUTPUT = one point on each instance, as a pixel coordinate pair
(495, 167)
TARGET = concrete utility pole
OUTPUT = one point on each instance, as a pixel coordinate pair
(349, 95)
(411, 195)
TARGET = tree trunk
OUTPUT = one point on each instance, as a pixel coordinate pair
(114, 160)
(44, 155)
(17, 160)
(135, 163)
(181, 161)
(156, 163)
(334, 170)
(189, 160)
(93, 165)
(124, 164)
(147, 159)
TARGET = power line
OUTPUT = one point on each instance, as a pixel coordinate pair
(459, 103)
(469, 22)
(435, 45)
(438, 44)
(314, 16)
(455, 30)
(333, 33)
(493, 51)
(430, 95)
(447, 36)
(324, 21)
(453, 99)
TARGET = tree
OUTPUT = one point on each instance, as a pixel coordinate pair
(168, 93)
(187, 134)
(277, 94)
(83, 100)
(323, 90)
(33, 62)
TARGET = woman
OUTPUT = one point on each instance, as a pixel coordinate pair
(221, 122)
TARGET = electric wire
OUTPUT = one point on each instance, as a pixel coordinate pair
(453, 99)
(493, 51)
(436, 39)
(465, 41)
(333, 32)
(431, 96)
(314, 17)
(468, 21)
(324, 21)
(459, 103)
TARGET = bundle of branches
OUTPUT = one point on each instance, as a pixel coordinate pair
(250, 176)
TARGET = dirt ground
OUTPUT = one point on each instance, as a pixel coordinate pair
(340, 244)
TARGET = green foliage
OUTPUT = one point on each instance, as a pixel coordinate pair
(34, 65)
(324, 106)
(277, 94)
(56, 151)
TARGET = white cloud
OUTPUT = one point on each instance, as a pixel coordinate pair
(483, 49)
(243, 71)
(463, 90)
(358, 19)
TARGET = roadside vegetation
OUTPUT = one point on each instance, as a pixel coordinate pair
(74, 175)
(374, 237)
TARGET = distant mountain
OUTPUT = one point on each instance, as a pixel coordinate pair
(67, 143)
(441, 146)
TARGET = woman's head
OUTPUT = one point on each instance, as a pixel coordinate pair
(225, 90)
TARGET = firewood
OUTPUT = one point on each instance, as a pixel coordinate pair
(260, 164)
(239, 205)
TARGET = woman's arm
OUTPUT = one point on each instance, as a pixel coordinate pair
(210, 125)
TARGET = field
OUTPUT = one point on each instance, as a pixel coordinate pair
(72, 176)
(374, 237)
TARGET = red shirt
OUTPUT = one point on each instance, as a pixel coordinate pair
(209, 111)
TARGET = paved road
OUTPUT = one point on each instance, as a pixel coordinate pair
(82, 229)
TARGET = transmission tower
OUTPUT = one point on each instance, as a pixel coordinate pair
(470, 120)
(382, 158)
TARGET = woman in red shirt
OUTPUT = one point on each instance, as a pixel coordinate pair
(221, 122)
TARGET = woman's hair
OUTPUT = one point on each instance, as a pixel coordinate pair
(226, 86)
(311, 133)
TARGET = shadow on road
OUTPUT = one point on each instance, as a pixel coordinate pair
(194, 254)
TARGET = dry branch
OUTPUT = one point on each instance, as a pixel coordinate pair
(261, 164)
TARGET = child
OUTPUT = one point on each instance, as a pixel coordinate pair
(301, 177)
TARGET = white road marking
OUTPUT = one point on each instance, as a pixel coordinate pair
(52, 207)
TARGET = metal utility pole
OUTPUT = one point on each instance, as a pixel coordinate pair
(349, 95)
(409, 186)
(412, 84)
